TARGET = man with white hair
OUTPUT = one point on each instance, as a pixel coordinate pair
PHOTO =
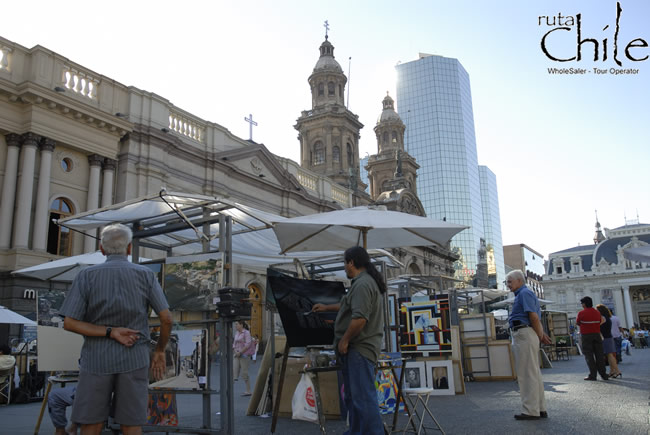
(527, 333)
(109, 305)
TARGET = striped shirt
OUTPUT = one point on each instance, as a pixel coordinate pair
(116, 293)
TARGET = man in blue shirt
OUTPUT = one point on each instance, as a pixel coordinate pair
(527, 333)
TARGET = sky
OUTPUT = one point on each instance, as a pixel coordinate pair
(561, 146)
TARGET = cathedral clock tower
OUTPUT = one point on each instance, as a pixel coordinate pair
(329, 132)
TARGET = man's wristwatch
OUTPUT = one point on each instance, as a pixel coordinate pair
(108, 331)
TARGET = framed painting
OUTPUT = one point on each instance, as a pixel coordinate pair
(392, 301)
(440, 377)
(415, 375)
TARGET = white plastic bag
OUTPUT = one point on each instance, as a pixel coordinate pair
(303, 403)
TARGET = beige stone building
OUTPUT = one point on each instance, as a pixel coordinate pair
(72, 140)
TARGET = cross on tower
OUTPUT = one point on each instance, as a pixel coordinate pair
(252, 123)
(327, 28)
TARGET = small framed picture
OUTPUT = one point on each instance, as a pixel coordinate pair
(415, 375)
(440, 377)
(391, 310)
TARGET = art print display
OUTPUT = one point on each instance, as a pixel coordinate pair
(294, 299)
(415, 375)
(386, 382)
(425, 326)
(162, 409)
(49, 304)
(186, 357)
(192, 286)
(440, 377)
(58, 349)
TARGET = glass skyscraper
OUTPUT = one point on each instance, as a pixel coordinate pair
(435, 102)
(492, 226)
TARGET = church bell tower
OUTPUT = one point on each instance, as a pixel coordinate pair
(329, 132)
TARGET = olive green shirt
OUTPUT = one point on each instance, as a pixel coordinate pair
(363, 301)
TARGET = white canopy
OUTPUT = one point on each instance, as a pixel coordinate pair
(174, 221)
(367, 226)
(8, 316)
(511, 301)
(640, 254)
(64, 269)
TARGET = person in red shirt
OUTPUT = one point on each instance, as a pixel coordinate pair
(589, 320)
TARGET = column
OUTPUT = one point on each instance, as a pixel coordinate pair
(107, 186)
(39, 242)
(92, 202)
(25, 191)
(629, 315)
(9, 189)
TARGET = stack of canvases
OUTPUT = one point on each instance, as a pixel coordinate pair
(426, 334)
(478, 338)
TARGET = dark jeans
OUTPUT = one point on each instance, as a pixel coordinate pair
(592, 348)
(361, 395)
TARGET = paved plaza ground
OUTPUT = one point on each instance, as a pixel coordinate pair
(619, 406)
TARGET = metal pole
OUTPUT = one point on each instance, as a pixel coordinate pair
(207, 409)
(226, 371)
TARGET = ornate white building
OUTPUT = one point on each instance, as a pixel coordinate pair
(602, 272)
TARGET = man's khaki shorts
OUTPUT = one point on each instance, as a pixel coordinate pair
(92, 402)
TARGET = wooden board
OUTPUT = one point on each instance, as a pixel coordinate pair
(502, 363)
(459, 379)
(472, 327)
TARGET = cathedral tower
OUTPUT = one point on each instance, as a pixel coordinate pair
(329, 132)
(392, 171)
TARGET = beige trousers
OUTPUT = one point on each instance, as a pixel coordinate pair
(240, 367)
(525, 346)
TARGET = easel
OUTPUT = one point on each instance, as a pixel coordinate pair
(382, 365)
(313, 373)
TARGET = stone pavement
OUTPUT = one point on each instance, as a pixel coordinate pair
(619, 406)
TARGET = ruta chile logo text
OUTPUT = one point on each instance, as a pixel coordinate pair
(565, 23)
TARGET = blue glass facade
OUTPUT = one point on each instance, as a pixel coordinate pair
(435, 101)
(492, 225)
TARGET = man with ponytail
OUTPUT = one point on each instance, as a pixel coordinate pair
(358, 333)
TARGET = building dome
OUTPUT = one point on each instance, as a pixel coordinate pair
(389, 113)
(326, 61)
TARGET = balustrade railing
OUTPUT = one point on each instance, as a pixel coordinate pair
(80, 82)
(187, 127)
(4, 58)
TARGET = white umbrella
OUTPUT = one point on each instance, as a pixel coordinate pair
(640, 254)
(367, 226)
(8, 316)
(511, 300)
(501, 314)
(65, 269)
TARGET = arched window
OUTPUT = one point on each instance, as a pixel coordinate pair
(394, 138)
(319, 153)
(385, 138)
(321, 89)
(59, 239)
(330, 89)
(336, 154)
(350, 155)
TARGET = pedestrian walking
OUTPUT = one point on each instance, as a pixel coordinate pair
(358, 332)
(617, 334)
(527, 333)
(609, 347)
(589, 320)
(242, 345)
(109, 305)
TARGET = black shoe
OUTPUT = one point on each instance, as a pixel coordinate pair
(543, 414)
(526, 417)
(589, 378)
(605, 377)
